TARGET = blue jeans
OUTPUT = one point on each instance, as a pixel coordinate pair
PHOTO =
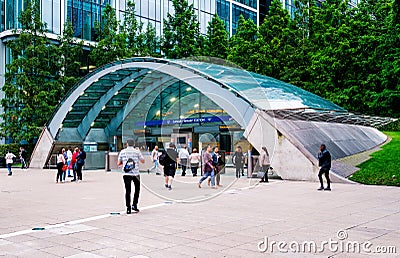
(9, 168)
(206, 175)
(69, 171)
(155, 166)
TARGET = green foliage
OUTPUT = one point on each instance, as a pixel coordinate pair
(274, 42)
(383, 167)
(32, 87)
(181, 32)
(148, 43)
(242, 44)
(111, 45)
(70, 51)
(12, 147)
(217, 39)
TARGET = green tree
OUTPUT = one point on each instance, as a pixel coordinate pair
(111, 45)
(181, 31)
(274, 45)
(217, 39)
(31, 88)
(70, 51)
(332, 53)
(242, 44)
(131, 29)
(149, 42)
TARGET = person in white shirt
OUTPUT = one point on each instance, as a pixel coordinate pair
(9, 161)
(155, 157)
(183, 159)
(194, 160)
(69, 156)
(60, 165)
(131, 175)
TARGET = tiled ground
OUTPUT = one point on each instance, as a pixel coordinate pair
(232, 221)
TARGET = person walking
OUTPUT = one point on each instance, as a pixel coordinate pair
(60, 165)
(183, 159)
(238, 161)
(9, 161)
(23, 156)
(73, 163)
(324, 161)
(169, 160)
(132, 174)
(218, 165)
(264, 164)
(194, 159)
(80, 161)
(208, 167)
(69, 160)
(155, 159)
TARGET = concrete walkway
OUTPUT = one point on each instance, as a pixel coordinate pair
(238, 220)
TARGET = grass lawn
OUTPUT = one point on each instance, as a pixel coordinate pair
(384, 166)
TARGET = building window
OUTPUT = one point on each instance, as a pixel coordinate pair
(247, 14)
(223, 12)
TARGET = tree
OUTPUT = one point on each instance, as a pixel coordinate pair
(274, 45)
(242, 44)
(297, 70)
(111, 45)
(31, 88)
(151, 43)
(70, 51)
(217, 39)
(131, 29)
(181, 32)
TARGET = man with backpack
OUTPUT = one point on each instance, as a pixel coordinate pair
(129, 158)
(169, 159)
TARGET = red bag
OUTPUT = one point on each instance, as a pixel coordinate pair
(64, 168)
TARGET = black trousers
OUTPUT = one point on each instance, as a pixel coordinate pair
(323, 171)
(59, 171)
(239, 168)
(79, 170)
(265, 170)
(128, 188)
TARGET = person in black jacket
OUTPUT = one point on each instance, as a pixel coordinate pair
(168, 159)
(80, 162)
(324, 161)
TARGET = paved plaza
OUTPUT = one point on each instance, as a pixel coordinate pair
(241, 219)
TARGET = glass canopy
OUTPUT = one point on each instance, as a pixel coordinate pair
(102, 102)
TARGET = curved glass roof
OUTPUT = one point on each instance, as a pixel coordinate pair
(99, 99)
(265, 92)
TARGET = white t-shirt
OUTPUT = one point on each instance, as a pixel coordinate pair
(154, 155)
(69, 155)
(9, 158)
(133, 153)
(183, 154)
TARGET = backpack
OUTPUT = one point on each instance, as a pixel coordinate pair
(129, 165)
(163, 158)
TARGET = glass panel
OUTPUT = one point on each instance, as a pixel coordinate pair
(10, 15)
(56, 16)
(263, 91)
(86, 21)
(46, 13)
(2, 16)
(152, 9)
(144, 8)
